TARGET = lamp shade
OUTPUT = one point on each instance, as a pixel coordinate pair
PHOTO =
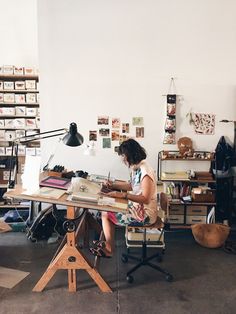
(73, 138)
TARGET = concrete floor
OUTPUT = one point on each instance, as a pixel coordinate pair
(204, 281)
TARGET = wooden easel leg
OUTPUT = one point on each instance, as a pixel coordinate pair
(47, 276)
(99, 280)
(72, 280)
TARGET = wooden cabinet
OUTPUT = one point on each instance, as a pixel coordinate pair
(187, 208)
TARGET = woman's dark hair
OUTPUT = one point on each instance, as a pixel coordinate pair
(133, 151)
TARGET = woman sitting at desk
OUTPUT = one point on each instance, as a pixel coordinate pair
(141, 193)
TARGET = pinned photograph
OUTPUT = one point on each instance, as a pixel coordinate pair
(116, 149)
(139, 132)
(104, 132)
(115, 136)
(103, 120)
(115, 123)
(93, 135)
(125, 127)
(137, 120)
(106, 143)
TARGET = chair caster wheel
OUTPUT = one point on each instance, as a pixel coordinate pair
(130, 279)
(124, 259)
(169, 278)
(159, 259)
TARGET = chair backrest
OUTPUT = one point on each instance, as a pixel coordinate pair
(164, 203)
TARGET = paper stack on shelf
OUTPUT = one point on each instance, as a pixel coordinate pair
(183, 175)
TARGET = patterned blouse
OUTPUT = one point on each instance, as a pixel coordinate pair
(139, 214)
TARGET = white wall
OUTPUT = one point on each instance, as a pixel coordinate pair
(18, 33)
(116, 58)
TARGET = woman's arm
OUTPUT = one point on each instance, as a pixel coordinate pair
(143, 198)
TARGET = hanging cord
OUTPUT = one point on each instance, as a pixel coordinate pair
(172, 88)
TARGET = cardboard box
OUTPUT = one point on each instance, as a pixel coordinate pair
(29, 71)
(31, 98)
(30, 123)
(20, 98)
(8, 85)
(2, 123)
(30, 84)
(20, 110)
(8, 69)
(20, 85)
(7, 111)
(18, 70)
(9, 136)
(31, 111)
(4, 176)
(206, 196)
(2, 151)
(9, 98)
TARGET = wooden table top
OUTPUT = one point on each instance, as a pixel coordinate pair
(20, 194)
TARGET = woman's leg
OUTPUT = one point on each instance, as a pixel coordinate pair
(109, 233)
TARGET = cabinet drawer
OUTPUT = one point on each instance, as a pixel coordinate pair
(176, 219)
(196, 210)
(176, 209)
(195, 219)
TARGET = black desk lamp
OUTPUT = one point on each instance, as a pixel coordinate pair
(71, 138)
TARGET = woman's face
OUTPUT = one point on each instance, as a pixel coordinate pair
(124, 159)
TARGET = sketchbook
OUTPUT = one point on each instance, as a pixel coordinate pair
(49, 192)
(83, 197)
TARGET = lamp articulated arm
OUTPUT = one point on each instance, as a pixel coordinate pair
(71, 138)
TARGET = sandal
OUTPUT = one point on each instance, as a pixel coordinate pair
(99, 252)
(99, 244)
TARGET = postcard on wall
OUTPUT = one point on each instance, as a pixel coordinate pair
(115, 135)
(139, 132)
(115, 123)
(125, 127)
(204, 123)
(123, 138)
(93, 135)
(137, 120)
(103, 120)
(104, 132)
(106, 143)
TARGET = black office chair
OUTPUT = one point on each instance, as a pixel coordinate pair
(135, 238)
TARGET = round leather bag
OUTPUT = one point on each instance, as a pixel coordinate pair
(210, 235)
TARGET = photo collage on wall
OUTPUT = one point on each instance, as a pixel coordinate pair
(170, 123)
(112, 131)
